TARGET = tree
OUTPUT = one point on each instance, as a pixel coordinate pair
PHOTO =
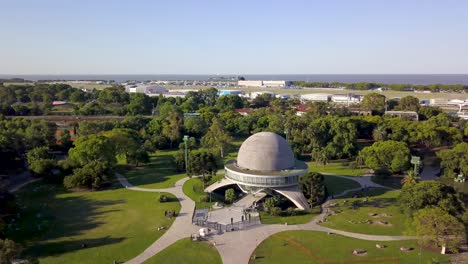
(435, 226)
(65, 139)
(379, 133)
(454, 161)
(195, 126)
(9, 251)
(270, 203)
(126, 143)
(140, 104)
(92, 148)
(313, 186)
(229, 102)
(430, 194)
(388, 155)
(92, 175)
(139, 156)
(172, 127)
(216, 137)
(410, 179)
(40, 161)
(230, 195)
(408, 103)
(202, 164)
(374, 102)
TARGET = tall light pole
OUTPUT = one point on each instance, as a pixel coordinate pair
(186, 153)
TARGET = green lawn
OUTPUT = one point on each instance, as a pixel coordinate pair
(266, 218)
(381, 202)
(185, 251)
(336, 185)
(158, 173)
(115, 224)
(338, 167)
(193, 188)
(319, 247)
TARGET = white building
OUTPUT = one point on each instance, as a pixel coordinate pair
(148, 90)
(346, 99)
(315, 97)
(254, 95)
(258, 83)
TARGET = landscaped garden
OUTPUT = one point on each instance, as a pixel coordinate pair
(338, 167)
(57, 226)
(159, 173)
(301, 217)
(319, 247)
(193, 188)
(378, 214)
(187, 251)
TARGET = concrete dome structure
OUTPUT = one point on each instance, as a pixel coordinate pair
(265, 151)
(265, 163)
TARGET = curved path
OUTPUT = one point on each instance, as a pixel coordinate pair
(237, 247)
(182, 226)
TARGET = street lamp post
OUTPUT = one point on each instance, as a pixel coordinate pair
(186, 153)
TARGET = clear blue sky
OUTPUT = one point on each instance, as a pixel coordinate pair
(233, 37)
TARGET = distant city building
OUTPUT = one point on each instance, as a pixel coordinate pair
(151, 90)
(411, 115)
(259, 83)
(254, 95)
(315, 97)
(244, 111)
(230, 92)
(456, 105)
(346, 98)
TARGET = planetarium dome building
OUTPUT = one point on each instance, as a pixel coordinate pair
(265, 163)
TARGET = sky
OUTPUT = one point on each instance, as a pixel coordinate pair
(233, 37)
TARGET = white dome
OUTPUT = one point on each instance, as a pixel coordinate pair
(265, 151)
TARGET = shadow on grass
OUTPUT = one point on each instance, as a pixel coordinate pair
(49, 213)
(159, 169)
(46, 249)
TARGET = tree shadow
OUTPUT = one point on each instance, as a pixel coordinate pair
(160, 169)
(45, 217)
(45, 249)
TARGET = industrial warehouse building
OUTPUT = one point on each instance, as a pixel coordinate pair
(263, 83)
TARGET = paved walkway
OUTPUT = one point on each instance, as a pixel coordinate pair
(182, 226)
(19, 181)
(237, 247)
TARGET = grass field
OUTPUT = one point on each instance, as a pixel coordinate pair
(388, 94)
(300, 247)
(381, 202)
(158, 173)
(266, 218)
(57, 226)
(337, 185)
(185, 251)
(338, 167)
(193, 188)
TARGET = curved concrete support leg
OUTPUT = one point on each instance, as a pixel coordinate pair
(223, 182)
(294, 194)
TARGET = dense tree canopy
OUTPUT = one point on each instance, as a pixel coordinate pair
(93, 148)
(389, 155)
(454, 161)
(40, 161)
(435, 227)
(430, 194)
(313, 186)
